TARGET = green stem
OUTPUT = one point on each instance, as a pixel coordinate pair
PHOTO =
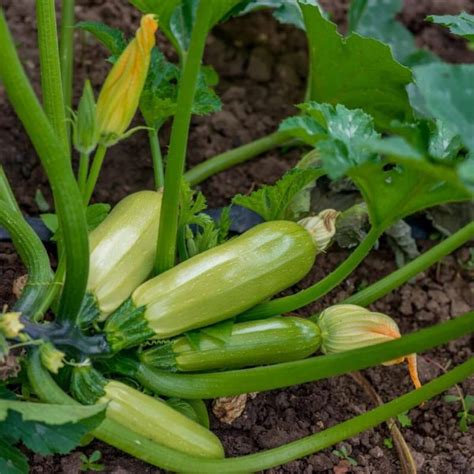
(258, 379)
(66, 52)
(421, 263)
(307, 296)
(33, 255)
(6, 193)
(132, 443)
(94, 173)
(157, 158)
(57, 165)
(166, 247)
(234, 157)
(83, 172)
(51, 85)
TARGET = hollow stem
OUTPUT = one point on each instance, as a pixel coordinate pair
(51, 84)
(419, 264)
(166, 247)
(140, 447)
(56, 162)
(66, 53)
(157, 158)
(33, 255)
(234, 157)
(307, 296)
(97, 162)
(258, 379)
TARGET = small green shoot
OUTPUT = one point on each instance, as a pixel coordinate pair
(388, 443)
(91, 463)
(465, 416)
(343, 454)
(404, 420)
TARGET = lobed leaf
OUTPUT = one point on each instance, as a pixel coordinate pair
(462, 24)
(356, 72)
(112, 38)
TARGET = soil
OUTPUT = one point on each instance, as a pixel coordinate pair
(262, 68)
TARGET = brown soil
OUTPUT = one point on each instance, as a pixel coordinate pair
(262, 66)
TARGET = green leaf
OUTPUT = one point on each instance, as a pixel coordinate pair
(469, 402)
(303, 128)
(221, 331)
(112, 38)
(448, 94)
(41, 201)
(48, 413)
(445, 143)
(12, 460)
(181, 22)
(48, 429)
(357, 72)
(376, 19)
(95, 214)
(50, 221)
(404, 420)
(272, 202)
(183, 407)
(462, 24)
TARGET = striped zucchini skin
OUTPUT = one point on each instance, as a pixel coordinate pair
(226, 280)
(268, 341)
(159, 422)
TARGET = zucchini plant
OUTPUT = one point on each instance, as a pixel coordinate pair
(155, 307)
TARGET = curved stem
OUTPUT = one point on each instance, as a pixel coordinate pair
(156, 157)
(166, 246)
(57, 165)
(94, 173)
(419, 264)
(51, 84)
(122, 438)
(6, 193)
(66, 53)
(226, 160)
(33, 255)
(307, 296)
(235, 382)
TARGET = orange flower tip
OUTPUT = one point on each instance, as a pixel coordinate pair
(413, 370)
(149, 23)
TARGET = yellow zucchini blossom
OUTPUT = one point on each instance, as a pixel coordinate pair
(10, 324)
(346, 326)
(118, 100)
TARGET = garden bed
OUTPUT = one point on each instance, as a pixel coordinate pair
(262, 68)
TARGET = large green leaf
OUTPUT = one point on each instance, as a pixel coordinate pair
(377, 19)
(462, 24)
(12, 460)
(448, 94)
(357, 72)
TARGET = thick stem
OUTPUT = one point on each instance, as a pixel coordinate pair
(157, 158)
(57, 165)
(66, 52)
(122, 438)
(419, 264)
(166, 247)
(307, 296)
(234, 157)
(51, 84)
(33, 255)
(94, 173)
(258, 379)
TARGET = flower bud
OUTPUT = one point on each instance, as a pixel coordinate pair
(321, 227)
(122, 249)
(120, 94)
(10, 324)
(345, 327)
(51, 358)
(85, 131)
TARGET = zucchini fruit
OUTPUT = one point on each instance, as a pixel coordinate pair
(122, 253)
(215, 285)
(263, 342)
